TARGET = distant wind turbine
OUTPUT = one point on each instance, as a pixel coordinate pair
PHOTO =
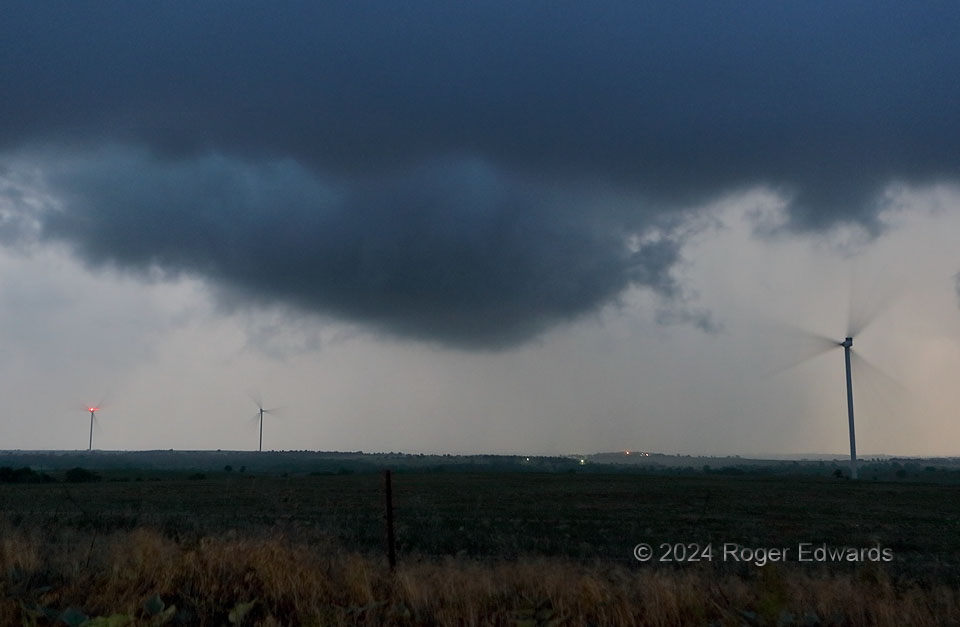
(262, 411)
(93, 411)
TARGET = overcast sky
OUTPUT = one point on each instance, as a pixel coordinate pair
(507, 227)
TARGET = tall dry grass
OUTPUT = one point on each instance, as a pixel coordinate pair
(231, 580)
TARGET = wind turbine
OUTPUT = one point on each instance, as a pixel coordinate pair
(856, 324)
(847, 345)
(861, 313)
(262, 411)
(93, 411)
(828, 344)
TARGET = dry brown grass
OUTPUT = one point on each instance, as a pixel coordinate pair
(291, 584)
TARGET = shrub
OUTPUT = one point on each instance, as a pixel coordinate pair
(81, 475)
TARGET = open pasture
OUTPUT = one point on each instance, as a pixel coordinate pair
(515, 515)
(488, 549)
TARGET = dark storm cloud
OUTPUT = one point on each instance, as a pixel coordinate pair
(826, 100)
(458, 253)
(382, 103)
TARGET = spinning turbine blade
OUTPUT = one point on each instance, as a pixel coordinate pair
(863, 311)
(804, 346)
(255, 397)
(858, 323)
(863, 365)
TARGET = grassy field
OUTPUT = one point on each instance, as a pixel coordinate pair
(512, 548)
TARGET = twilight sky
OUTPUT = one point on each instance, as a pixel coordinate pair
(510, 227)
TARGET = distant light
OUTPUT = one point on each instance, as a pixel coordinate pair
(627, 452)
(583, 461)
(528, 459)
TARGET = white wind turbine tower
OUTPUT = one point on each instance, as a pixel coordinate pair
(93, 409)
(259, 404)
(847, 345)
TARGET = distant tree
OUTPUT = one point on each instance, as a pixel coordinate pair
(901, 474)
(81, 475)
(838, 473)
(23, 475)
(730, 470)
(228, 468)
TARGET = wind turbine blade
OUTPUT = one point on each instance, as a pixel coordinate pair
(799, 346)
(863, 368)
(858, 323)
(273, 410)
(255, 397)
(881, 399)
(863, 312)
(798, 334)
(802, 360)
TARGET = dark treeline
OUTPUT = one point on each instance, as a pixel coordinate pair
(76, 467)
(23, 475)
